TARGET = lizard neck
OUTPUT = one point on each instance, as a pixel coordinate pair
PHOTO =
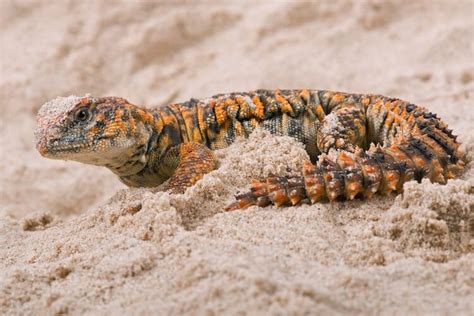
(144, 129)
(159, 152)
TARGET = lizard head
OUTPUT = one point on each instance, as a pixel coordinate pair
(89, 130)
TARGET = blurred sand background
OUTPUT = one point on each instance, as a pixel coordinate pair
(74, 240)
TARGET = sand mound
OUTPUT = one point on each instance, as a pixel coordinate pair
(191, 253)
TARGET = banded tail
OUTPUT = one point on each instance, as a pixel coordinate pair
(417, 145)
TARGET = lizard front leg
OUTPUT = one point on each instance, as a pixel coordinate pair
(194, 161)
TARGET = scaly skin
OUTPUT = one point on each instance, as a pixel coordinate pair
(146, 147)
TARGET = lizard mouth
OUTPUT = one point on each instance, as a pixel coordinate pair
(56, 148)
(75, 147)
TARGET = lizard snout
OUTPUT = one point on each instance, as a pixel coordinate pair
(42, 146)
(45, 141)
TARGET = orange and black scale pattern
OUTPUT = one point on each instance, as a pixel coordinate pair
(381, 142)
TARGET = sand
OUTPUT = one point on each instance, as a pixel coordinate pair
(76, 241)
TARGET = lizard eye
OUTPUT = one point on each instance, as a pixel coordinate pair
(83, 114)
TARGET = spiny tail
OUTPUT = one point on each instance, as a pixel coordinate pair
(355, 174)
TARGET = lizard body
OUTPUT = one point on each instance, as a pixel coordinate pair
(146, 147)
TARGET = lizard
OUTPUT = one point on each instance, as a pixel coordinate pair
(358, 144)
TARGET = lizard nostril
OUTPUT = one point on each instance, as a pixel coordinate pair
(44, 143)
(42, 148)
